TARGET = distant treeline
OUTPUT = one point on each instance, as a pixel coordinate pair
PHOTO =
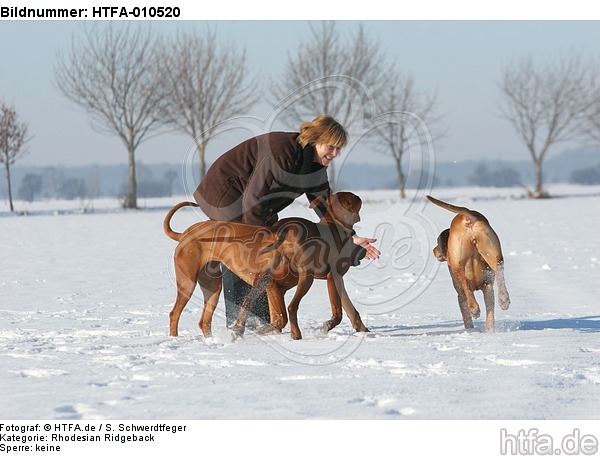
(89, 182)
(160, 180)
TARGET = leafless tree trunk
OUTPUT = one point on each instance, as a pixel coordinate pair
(13, 137)
(330, 76)
(112, 75)
(206, 83)
(401, 97)
(546, 105)
(591, 125)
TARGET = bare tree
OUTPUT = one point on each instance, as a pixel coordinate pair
(402, 97)
(546, 105)
(330, 76)
(591, 125)
(111, 74)
(206, 83)
(13, 137)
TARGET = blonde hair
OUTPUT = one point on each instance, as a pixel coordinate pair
(323, 130)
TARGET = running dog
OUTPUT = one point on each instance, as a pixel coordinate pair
(472, 249)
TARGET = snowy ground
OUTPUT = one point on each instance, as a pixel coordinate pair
(85, 297)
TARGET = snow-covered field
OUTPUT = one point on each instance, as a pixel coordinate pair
(85, 297)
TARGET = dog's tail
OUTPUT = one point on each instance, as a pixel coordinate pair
(167, 223)
(456, 209)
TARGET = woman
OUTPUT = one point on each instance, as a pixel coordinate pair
(258, 178)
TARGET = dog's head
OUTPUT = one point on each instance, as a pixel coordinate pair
(441, 250)
(342, 208)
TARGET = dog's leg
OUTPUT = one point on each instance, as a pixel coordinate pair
(353, 314)
(336, 306)
(465, 312)
(211, 286)
(183, 296)
(186, 283)
(497, 264)
(489, 248)
(240, 325)
(488, 296)
(458, 273)
(503, 297)
(277, 311)
(462, 303)
(279, 315)
(305, 281)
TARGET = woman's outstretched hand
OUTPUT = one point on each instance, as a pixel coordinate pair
(365, 243)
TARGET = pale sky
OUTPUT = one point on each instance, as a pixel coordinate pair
(460, 60)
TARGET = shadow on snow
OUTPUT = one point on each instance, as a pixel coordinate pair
(584, 324)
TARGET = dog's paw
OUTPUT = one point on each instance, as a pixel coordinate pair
(267, 329)
(504, 300)
(326, 327)
(330, 324)
(475, 311)
(237, 333)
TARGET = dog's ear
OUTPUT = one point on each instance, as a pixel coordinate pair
(318, 201)
(441, 250)
(443, 238)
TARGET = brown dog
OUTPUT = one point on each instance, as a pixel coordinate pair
(267, 258)
(323, 250)
(472, 249)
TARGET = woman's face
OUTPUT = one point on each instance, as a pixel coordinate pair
(325, 153)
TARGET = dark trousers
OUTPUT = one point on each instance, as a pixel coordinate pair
(235, 291)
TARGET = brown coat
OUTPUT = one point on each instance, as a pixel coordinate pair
(258, 178)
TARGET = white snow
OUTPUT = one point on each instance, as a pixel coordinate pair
(85, 297)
